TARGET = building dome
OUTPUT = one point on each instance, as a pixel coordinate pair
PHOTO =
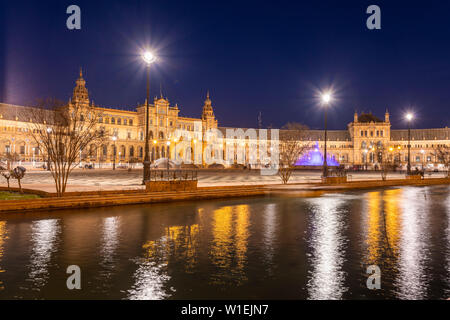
(368, 117)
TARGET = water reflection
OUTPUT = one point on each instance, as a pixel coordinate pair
(151, 277)
(44, 237)
(108, 247)
(243, 248)
(392, 224)
(270, 223)
(229, 244)
(447, 206)
(3, 237)
(412, 279)
(381, 216)
(326, 279)
(374, 227)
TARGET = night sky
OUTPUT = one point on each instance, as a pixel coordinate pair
(253, 56)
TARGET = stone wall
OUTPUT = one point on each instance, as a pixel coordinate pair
(165, 186)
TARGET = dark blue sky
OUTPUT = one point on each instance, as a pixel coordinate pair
(252, 55)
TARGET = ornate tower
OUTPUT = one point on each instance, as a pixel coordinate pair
(80, 92)
(386, 116)
(208, 119)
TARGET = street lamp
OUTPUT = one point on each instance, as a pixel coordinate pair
(114, 138)
(168, 154)
(365, 158)
(423, 157)
(49, 130)
(175, 140)
(326, 99)
(409, 116)
(149, 58)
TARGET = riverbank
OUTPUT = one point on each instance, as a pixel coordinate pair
(92, 199)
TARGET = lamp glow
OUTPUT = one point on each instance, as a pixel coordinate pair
(409, 116)
(326, 97)
(149, 57)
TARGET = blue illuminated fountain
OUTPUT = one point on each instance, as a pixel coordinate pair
(315, 158)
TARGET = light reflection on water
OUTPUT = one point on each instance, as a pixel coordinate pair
(270, 225)
(44, 238)
(229, 245)
(412, 280)
(269, 248)
(447, 205)
(326, 278)
(3, 238)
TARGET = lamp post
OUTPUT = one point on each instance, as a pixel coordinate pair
(326, 98)
(168, 154)
(175, 141)
(114, 138)
(365, 158)
(193, 150)
(409, 117)
(49, 130)
(423, 158)
(149, 58)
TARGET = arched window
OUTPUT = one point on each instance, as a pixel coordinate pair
(150, 134)
(364, 145)
(131, 151)
(141, 152)
(161, 135)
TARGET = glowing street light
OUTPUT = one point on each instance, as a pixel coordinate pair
(409, 116)
(149, 58)
(326, 98)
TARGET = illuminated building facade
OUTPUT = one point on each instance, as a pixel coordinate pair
(359, 145)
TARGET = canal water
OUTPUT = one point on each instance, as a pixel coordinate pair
(252, 248)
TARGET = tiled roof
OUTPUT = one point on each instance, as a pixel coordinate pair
(13, 112)
(421, 134)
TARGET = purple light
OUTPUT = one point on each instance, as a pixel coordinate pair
(315, 158)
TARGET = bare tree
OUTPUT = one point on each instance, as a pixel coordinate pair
(291, 146)
(10, 158)
(442, 154)
(62, 132)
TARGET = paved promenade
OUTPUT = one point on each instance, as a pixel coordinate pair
(102, 180)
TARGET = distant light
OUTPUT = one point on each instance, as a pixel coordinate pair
(114, 138)
(409, 116)
(149, 57)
